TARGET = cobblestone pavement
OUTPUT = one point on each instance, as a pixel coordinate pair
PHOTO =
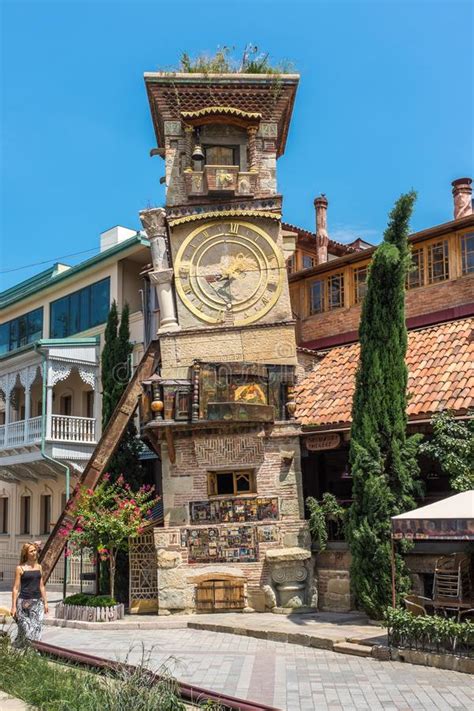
(287, 676)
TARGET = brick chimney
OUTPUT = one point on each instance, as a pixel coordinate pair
(462, 194)
(322, 238)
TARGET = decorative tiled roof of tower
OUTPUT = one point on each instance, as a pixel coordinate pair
(440, 362)
(266, 96)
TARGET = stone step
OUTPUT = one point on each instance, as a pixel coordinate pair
(358, 650)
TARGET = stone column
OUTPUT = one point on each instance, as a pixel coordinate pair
(462, 195)
(154, 222)
(188, 142)
(252, 138)
(322, 237)
(163, 283)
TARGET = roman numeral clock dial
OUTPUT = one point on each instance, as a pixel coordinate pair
(227, 269)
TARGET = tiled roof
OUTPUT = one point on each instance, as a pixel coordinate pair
(337, 248)
(440, 362)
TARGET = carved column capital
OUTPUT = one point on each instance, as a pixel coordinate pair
(154, 222)
(163, 276)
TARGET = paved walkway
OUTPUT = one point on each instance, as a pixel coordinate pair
(289, 676)
(9, 703)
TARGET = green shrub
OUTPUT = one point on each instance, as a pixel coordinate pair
(429, 633)
(90, 600)
(224, 62)
(319, 515)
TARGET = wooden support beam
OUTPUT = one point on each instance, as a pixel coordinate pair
(101, 455)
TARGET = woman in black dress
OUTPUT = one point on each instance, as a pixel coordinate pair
(29, 601)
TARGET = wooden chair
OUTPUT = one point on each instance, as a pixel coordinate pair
(452, 578)
(417, 604)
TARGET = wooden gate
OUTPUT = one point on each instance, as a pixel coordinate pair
(220, 595)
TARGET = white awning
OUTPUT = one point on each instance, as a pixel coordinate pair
(457, 506)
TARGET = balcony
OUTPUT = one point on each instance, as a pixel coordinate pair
(70, 399)
(63, 428)
(225, 180)
(18, 434)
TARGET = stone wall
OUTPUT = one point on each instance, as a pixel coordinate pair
(273, 452)
(333, 580)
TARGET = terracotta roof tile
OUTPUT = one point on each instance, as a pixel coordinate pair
(440, 362)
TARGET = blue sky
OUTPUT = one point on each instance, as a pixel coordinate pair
(385, 104)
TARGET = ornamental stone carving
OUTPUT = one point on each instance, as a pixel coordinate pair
(289, 572)
(154, 222)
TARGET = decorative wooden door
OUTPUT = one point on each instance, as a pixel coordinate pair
(220, 595)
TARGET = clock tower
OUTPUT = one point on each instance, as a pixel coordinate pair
(219, 411)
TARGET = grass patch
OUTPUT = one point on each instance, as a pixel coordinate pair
(49, 686)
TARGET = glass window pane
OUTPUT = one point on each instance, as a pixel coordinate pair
(336, 291)
(22, 330)
(100, 302)
(60, 326)
(416, 275)
(467, 253)
(316, 297)
(74, 313)
(85, 309)
(360, 284)
(438, 267)
(35, 325)
(13, 334)
(4, 338)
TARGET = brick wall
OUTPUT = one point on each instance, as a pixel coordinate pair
(424, 300)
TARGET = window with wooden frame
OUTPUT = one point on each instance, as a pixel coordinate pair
(291, 265)
(3, 514)
(182, 404)
(467, 253)
(438, 262)
(326, 294)
(308, 261)
(430, 264)
(233, 482)
(25, 514)
(416, 274)
(359, 275)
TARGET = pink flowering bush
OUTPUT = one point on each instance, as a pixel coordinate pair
(107, 517)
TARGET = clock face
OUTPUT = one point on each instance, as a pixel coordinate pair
(229, 272)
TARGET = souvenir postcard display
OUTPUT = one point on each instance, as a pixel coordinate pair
(234, 510)
(221, 545)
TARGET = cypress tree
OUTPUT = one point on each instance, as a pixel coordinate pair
(108, 364)
(116, 371)
(383, 460)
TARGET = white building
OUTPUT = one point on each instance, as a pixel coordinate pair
(51, 336)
